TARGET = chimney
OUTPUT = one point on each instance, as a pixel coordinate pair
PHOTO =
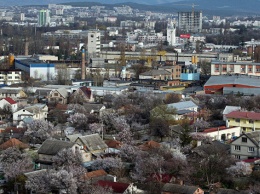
(83, 66)
(26, 46)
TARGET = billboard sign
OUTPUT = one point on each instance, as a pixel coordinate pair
(185, 36)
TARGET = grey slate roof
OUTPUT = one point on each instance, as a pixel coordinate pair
(181, 189)
(94, 107)
(73, 137)
(155, 72)
(254, 136)
(9, 91)
(63, 92)
(93, 142)
(35, 108)
(182, 105)
(229, 109)
(226, 79)
(52, 147)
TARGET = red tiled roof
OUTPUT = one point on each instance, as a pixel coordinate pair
(244, 115)
(95, 173)
(250, 160)
(10, 100)
(117, 187)
(113, 143)
(15, 130)
(149, 145)
(215, 129)
(13, 143)
(86, 91)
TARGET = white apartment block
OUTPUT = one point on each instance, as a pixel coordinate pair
(241, 68)
(10, 77)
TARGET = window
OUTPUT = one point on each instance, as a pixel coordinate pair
(251, 149)
(56, 94)
(237, 156)
(237, 120)
(251, 121)
(250, 69)
(237, 148)
(233, 134)
(244, 139)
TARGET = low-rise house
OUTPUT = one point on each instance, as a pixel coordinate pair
(9, 102)
(95, 176)
(13, 143)
(92, 144)
(247, 121)
(94, 108)
(12, 132)
(185, 105)
(223, 133)
(58, 96)
(246, 146)
(183, 109)
(37, 111)
(170, 188)
(156, 75)
(229, 109)
(123, 188)
(149, 145)
(50, 148)
(81, 95)
(12, 93)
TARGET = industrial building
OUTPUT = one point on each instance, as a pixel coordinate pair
(218, 84)
(35, 68)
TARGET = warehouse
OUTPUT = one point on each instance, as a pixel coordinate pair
(216, 84)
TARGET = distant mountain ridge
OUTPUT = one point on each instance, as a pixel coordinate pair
(220, 7)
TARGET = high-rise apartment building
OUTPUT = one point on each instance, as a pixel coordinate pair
(44, 18)
(190, 22)
(93, 43)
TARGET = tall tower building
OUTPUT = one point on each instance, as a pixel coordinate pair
(93, 43)
(190, 22)
(171, 33)
(44, 18)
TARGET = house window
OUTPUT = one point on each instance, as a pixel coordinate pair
(237, 120)
(251, 121)
(237, 148)
(237, 156)
(233, 134)
(251, 149)
(244, 139)
(55, 94)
